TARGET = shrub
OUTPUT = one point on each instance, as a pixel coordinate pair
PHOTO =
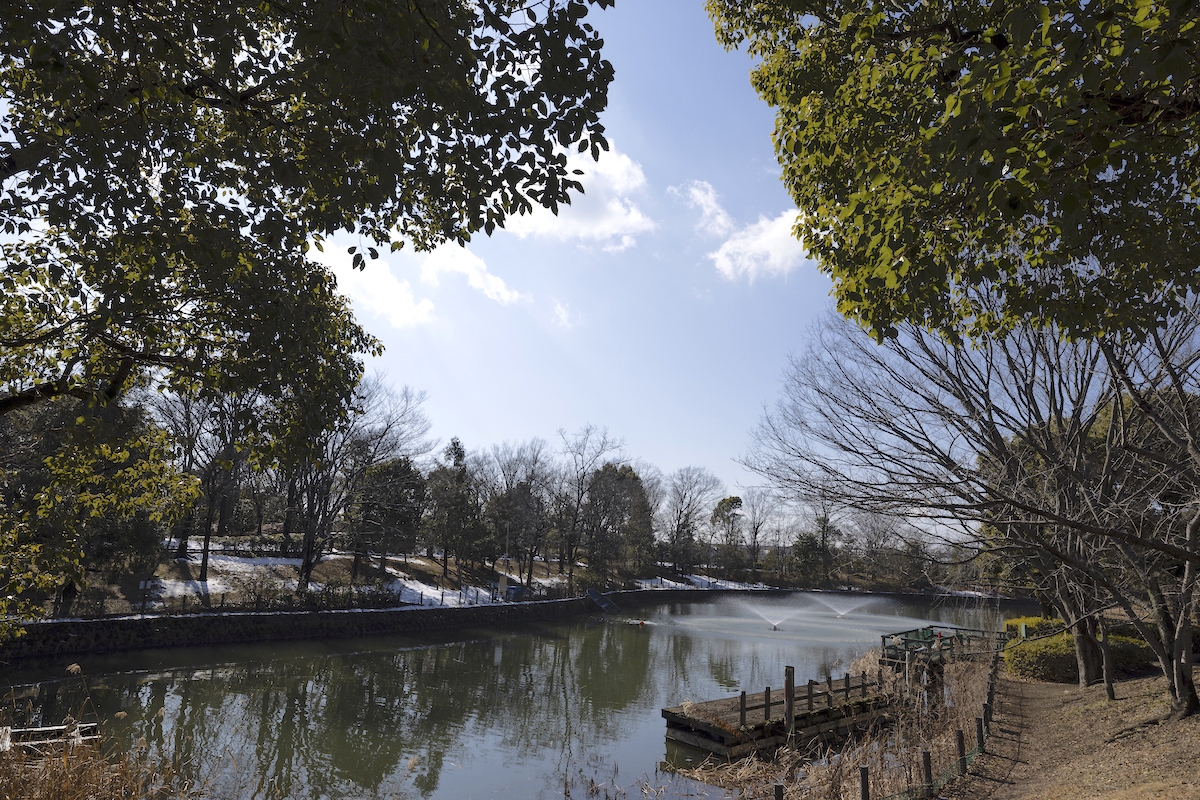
(1053, 658)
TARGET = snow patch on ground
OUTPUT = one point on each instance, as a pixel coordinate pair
(705, 582)
(166, 587)
(661, 583)
(418, 593)
(247, 565)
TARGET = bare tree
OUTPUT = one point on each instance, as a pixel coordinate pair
(1023, 444)
(583, 453)
(760, 507)
(521, 482)
(690, 495)
(187, 417)
(326, 468)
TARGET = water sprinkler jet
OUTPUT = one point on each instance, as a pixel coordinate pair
(774, 623)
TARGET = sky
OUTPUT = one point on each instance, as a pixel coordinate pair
(662, 305)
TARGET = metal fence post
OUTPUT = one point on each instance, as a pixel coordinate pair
(979, 733)
(811, 684)
(779, 791)
(742, 710)
(960, 742)
(767, 704)
(864, 783)
(927, 772)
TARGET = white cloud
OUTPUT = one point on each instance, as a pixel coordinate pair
(604, 215)
(713, 218)
(377, 290)
(563, 315)
(765, 248)
(451, 258)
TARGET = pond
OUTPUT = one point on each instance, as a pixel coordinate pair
(514, 712)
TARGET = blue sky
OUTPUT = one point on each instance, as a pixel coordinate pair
(662, 305)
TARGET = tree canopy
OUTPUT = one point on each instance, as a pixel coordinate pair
(167, 165)
(1042, 153)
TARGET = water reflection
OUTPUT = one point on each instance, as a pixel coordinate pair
(474, 713)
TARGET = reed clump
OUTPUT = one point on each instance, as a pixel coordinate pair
(89, 771)
(925, 719)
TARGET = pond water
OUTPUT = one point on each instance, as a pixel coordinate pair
(515, 712)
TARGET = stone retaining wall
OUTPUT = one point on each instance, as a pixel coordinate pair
(69, 638)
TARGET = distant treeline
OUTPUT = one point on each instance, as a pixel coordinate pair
(106, 494)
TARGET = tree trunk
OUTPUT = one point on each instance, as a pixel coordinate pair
(307, 557)
(289, 519)
(1106, 652)
(208, 523)
(570, 568)
(1186, 701)
(184, 529)
(1088, 657)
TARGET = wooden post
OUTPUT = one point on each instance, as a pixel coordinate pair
(829, 690)
(742, 711)
(979, 733)
(927, 771)
(811, 684)
(767, 704)
(847, 687)
(961, 744)
(864, 783)
(864, 683)
(789, 698)
(908, 665)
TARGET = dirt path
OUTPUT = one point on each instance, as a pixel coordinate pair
(1054, 741)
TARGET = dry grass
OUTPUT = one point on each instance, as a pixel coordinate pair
(892, 753)
(88, 772)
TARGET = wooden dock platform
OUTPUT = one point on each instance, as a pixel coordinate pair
(735, 727)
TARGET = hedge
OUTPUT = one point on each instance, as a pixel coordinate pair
(1053, 658)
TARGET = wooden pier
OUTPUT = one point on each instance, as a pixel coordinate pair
(738, 726)
(735, 727)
